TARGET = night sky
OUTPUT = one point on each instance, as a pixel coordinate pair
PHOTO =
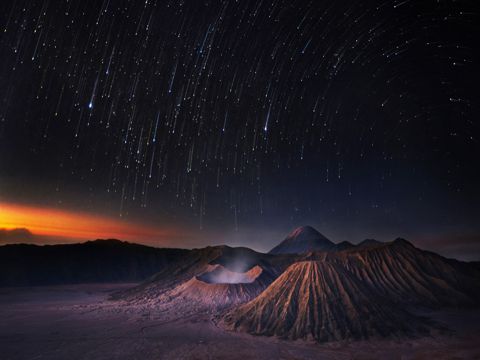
(235, 121)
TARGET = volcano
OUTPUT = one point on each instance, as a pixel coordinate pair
(321, 301)
(207, 280)
(221, 275)
(302, 240)
(219, 288)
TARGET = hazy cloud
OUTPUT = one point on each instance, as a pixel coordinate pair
(19, 235)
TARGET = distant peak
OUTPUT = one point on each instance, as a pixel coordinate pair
(307, 229)
(344, 245)
(107, 242)
(401, 241)
(368, 242)
(302, 240)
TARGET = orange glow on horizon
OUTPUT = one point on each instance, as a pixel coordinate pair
(76, 225)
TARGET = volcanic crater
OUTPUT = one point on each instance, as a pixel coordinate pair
(219, 274)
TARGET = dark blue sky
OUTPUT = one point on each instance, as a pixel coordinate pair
(246, 118)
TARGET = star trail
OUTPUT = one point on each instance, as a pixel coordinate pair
(245, 114)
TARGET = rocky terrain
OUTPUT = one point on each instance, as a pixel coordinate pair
(307, 287)
(323, 301)
(409, 276)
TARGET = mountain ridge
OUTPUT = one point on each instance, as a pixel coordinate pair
(96, 261)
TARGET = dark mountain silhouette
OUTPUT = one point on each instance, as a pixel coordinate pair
(344, 245)
(368, 242)
(301, 240)
(90, 262)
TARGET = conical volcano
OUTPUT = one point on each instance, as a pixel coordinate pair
(321, 301)
(302, 240)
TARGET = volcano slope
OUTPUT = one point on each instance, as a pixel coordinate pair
(358, 293)
(409, 276)
(321, 301)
